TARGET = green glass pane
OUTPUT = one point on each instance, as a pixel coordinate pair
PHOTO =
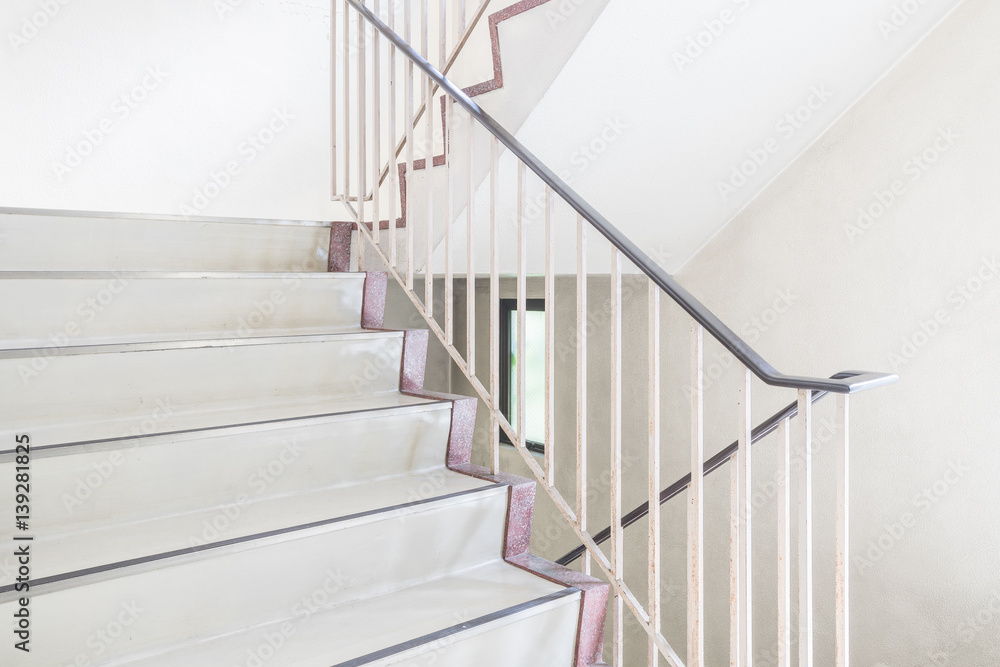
(534, 375)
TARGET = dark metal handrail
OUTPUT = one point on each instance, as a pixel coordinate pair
(766, 428)
(849, 382)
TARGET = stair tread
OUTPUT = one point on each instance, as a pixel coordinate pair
(387, 402)
(332, 636)
(83, 547)
(250, 412)
(160, 343)
(150, 340)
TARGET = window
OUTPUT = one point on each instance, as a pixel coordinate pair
(534, 373)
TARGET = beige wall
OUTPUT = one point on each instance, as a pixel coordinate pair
(918, 293)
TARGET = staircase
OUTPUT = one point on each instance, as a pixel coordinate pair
(229, 462)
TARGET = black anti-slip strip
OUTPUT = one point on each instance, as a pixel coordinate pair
(455, 629)
(209, 429)
(238, 540)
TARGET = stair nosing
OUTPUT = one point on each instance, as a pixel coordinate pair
(192, 344)
(457, 629)
(48, 274)
(193, 433)
(77, 578)
(160, 217)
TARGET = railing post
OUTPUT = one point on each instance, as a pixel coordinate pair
(522, 305)
(746, 511)
(428, 164)
(334, 192)
(653, 310)
(805, 531)
(696, 505)
(393, 171)
(408, 199)
(784, 546)
(843, 600)
(362, 147)
(735, 589)
(470, 264)
(376, 132)
(617, 532)
(347, 100)
(581, 382)
(449, 219)
(550, 344)
(494, 307)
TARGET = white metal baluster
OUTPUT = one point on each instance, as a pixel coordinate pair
(393, 167)
(843, 601)
(746, 511)
(653, 308)
(410, 222)
(696, 504)
(784, 546)
(362, 148)
(522, 309)
(617, 532)
(347, 104)
(449, 284)
(443, 53)
(429, 189)
(735, 597)
(470, 265)
(550, 341)
(461, 18)
(581, 382)
(805, 532)
(376, 132)
(494, 307)
(428, 164)
(333, 100)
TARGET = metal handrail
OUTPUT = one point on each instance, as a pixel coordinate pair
(848, 382)
(764, 429)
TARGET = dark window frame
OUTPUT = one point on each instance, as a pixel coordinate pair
(507, 307)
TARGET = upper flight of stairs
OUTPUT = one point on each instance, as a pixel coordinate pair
(233, 464)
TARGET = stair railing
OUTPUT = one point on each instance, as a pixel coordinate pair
(448, 202)
(445, 27)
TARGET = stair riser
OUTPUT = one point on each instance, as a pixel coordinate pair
(169, 476)
(524, 639)
(69, 311)
(81, 397)
(36, 243)
(290, 577)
